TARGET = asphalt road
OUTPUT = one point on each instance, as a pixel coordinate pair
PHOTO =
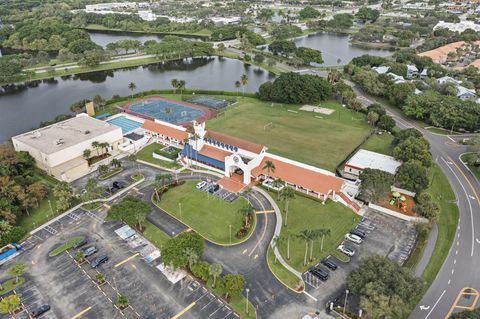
(460, 267)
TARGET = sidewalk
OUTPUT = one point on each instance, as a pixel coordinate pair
(428, 251)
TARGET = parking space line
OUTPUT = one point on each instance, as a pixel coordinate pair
(126, 260)
(84, 311)
(178, 315)
(215, 311)
(208, 304)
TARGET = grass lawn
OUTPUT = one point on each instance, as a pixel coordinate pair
(467, 158)
(10, 284)
(155, 235)
(447, 223)
(208, 215)
(285, 276)
(146, 155)
(39, 215)
(305, 213)
(379, 143)
(441, 131)
(60, 249)
(111, 173)
(323, 142)
(137, 176)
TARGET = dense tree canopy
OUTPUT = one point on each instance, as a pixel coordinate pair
(175, 251)
(296, 88)
(341, 21)
(386, 290)
(131, 210)
(413, 176)
(414, 149)
(367, 14)
(309, 13)
(375, 184)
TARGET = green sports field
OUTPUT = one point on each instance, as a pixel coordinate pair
(313, 138)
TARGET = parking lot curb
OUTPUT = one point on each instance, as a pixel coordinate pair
(210, 241)
(280, 281)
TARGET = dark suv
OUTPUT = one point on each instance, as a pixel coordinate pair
(40, 311)
(329, 264)
(360, 233)
(80, 243)
(100, 260)
(118, 185)
(319, 273)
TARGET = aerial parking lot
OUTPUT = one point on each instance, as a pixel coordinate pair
(384, 235)
(71, 287)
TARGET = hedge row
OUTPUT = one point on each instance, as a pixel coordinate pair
(118, 99)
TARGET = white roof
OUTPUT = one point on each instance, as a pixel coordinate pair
(412, 68)
(367, 159)
(381, 69)
(464, 91)
(447, 79)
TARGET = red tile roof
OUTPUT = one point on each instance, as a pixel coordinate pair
(235, 141)
(165, 130)
(300, 176)
(214, 152)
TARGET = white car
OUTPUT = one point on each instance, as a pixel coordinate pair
(201, 184)
(353, 238)
(347, 251)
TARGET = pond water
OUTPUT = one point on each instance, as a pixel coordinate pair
(24, 107)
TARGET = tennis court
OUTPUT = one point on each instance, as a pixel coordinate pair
(209, 101)
(168, 110)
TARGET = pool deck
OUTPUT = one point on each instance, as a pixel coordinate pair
(207, 112)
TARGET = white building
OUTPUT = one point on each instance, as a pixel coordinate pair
(458, 27)
(381, 69)
(412, 71)
(58, 148)
(366, 159)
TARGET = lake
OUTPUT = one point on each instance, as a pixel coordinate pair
(336, 46)
(103, 38)
(24, 108)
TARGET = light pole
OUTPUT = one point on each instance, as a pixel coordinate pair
(180, 208)
(230, 229)
(247, 290)
(345, 303)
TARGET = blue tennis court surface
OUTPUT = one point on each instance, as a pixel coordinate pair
(126, 124)
(167, 111)
(209, 101)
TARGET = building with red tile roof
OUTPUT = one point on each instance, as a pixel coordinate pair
(165, 132)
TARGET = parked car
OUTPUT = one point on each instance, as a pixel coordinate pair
(90, 251)
(118, 185)
(100, 260)
(329, 264)
(111, 190)
(201, 184)
(40, 311)
(80, 243)
(358, 232)
(214, 188)
(353, 238)
(319, 273)
(346, 250)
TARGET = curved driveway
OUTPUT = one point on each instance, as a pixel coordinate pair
(460, 268)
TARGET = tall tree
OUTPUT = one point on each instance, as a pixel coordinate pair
(16, 270)
(269, 167)
(215, 271)
(244, 81)
(287, 194)
(132, 87)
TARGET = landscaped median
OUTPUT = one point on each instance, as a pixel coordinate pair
(215, 219)
(67, 245)
(111, 173)
(309, 214)
(11, 284)
(287, 278)
(146, 155)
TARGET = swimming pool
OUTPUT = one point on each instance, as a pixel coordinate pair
(166, 110)
(126, 124)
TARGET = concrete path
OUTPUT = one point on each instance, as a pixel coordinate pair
(428, 251)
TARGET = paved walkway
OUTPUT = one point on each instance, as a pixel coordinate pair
(428, 251)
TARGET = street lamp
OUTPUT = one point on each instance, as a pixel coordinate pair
(51, 209)
(230, 229)
(180, 208)
(345, 303)
(247, 290)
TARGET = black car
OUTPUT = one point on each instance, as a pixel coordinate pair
(40, 311)
(214, 188)
(80, 243)
(100, 260)
(319, 273)
(329, 264)
(118, 185)
(360, 233)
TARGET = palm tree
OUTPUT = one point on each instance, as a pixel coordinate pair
(181, 85)
(17, 270)
(96, 145)
(270, 167)
(244, 81)
(246, 211)
(161, 180)
(122, 301)
(278, 241)
(99, 277)
(174, 84)
(215, 270)
(304, 235)
(80, 255)
(314, 235)
(287, 193)
(196, 137)
(277, 183)
(192, 257)
(288, 235)
(87, 153)
(237, 85)
(116, 163)
(104, 146)
(333, 76)
(102, 169)
(323, 232)
(132, 87)
(372, 118)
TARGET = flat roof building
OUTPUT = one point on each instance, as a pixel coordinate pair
(58, 148)
(368, 159)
